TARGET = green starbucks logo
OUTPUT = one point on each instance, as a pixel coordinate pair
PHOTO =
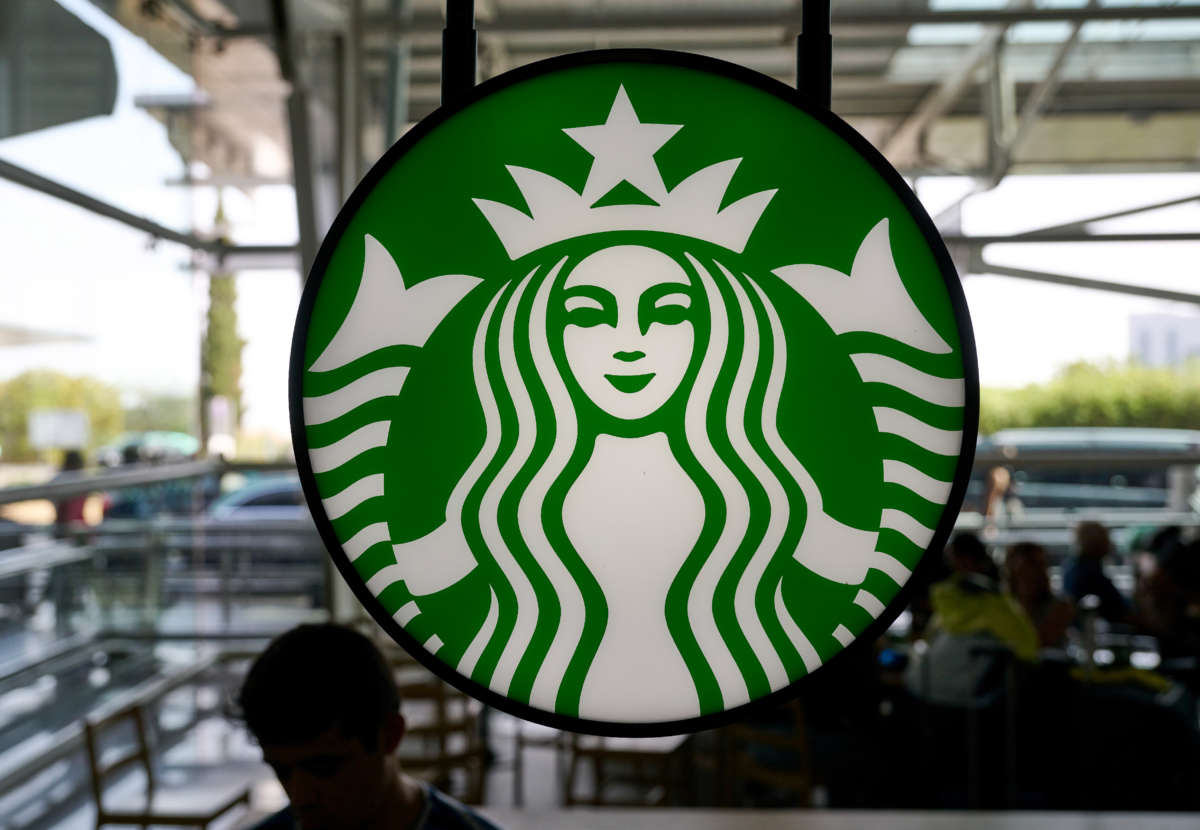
(631, 392)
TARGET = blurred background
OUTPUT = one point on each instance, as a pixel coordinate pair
(167, 171)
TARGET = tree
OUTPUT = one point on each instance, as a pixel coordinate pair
(173, 413)
(1085, 394)
(221, 347)
(46, 389)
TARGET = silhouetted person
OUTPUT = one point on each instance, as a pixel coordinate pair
(1029, 583)
(1000, 501)
(69, 512)
(131, 502)
(323, 704)
(1085, 574)
(1168, 597)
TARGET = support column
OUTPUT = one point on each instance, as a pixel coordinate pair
(297, 115)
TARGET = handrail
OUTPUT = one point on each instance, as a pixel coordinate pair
(66, 485)
(40, 556)
(14, 668)
(208, 530)
(77, 484)
(1109, 517)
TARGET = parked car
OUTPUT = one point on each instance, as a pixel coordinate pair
(260, 536)
(274, 497)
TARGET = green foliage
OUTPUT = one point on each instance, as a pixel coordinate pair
(221, 349)
(1084, 394)
(170, 413)
(46, 389)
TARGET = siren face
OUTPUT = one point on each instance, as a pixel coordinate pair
(628, 339)
(631, 392)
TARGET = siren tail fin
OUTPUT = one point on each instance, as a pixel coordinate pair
(838, 297)
(386, 312)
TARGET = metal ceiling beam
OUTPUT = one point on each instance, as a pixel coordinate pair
(903, 148)
(565, 20)
(76, 484)
(1073, 236)
(33, 181)
(981, 266)
(1037, 101)
(999, 114)
(196, 23)
(736, 18)
(27, 178)
(1077, 225)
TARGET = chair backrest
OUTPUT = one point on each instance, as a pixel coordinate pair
(99, 766)
(772, 757)
(443, 730)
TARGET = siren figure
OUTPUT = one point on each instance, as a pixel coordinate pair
(637, 515)
(629, 551)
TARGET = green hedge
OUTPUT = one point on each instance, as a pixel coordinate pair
(1084, 394)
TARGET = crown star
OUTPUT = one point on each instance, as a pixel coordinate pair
(623, 149)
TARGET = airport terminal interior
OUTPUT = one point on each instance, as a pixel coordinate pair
(174, 178)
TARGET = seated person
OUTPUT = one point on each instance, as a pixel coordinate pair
(1029, 583)
(323, 705)
(974, 627)
(1085, 574)
(1168, 599)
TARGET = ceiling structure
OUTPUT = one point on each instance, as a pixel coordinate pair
(957, 86)
(315, 90)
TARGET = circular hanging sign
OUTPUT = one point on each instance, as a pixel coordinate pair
(632, 390)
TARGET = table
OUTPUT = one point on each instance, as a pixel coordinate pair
(705, 819)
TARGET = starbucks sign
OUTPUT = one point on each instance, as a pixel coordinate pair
(631, 391)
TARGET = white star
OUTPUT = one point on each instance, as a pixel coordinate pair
(624, 150)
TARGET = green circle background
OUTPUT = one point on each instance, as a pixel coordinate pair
(829, 197)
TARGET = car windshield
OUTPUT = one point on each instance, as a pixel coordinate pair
(274, 491)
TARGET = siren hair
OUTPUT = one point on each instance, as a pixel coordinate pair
(549, 613)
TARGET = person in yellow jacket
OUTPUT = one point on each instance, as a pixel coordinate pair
(975, 625)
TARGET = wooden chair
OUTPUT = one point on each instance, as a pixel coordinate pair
(765, 765)
(176, 806)
(442, 742)
(543, 737)
(628, 771)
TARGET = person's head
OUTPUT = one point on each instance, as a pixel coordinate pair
(323, 705)
(1181, 564)
(966, 554)
(1091, 540)
(72, 460)
(1025, 563)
